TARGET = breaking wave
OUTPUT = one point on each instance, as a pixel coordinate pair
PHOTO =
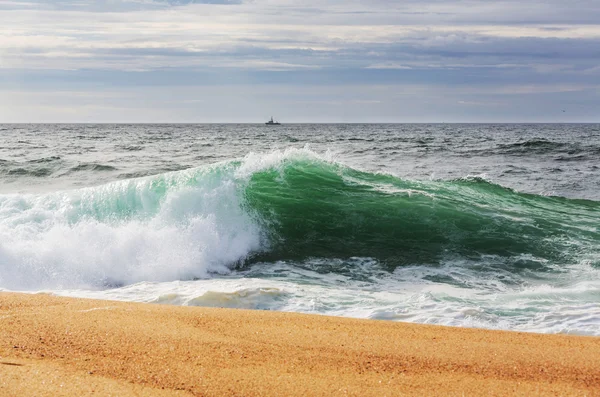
(289, 205)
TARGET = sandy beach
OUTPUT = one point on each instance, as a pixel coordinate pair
(54, 346)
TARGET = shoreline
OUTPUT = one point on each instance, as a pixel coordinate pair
(54, 346)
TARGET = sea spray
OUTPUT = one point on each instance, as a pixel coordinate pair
(179, 225)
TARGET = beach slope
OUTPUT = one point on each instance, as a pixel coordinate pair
(54, 346)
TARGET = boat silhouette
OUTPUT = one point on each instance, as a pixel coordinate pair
(272, 122)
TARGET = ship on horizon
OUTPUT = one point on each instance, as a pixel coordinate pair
(272, 122)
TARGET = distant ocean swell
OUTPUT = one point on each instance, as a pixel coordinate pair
(282, 206)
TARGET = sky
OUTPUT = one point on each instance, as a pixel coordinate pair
(299, 61)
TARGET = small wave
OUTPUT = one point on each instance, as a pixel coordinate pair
(515, 170)
(44, 160)
(361, 139)
(579, 157)
(137, 174)
(533, 146)
(130, 148)
(533, 143)
(92, 167)
(91, 137)
(173, 167)
(36, 172)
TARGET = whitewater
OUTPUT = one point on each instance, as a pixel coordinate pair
(492, 226)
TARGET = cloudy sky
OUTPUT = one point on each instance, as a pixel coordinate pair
(299, 60)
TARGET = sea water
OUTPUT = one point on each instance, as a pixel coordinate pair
(492, 226)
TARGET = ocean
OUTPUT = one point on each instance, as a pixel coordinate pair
(472, 225)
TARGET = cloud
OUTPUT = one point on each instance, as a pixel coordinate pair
(136, 43)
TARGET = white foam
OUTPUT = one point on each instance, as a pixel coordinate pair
(125, 232)
(256, 162)
(406, 295)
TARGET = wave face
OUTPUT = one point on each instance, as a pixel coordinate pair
(283, 206)
(313, 208)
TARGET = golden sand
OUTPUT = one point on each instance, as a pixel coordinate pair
(52, 346)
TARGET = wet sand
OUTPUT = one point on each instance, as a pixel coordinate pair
(52, 346)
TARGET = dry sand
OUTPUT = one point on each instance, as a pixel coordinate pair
(51, 346)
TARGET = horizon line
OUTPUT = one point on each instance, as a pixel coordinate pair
(293, 123)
